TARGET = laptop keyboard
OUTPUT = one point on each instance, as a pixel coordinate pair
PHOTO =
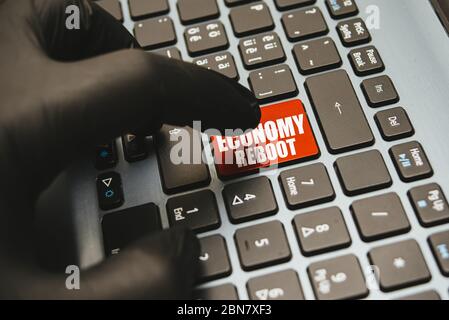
(342, 125)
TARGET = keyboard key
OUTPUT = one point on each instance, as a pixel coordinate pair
(282, 285)
(316, 56)
(273, 83)
(339, 112)
(223, 292)
(427, 295)
(380, 91)
(261, 50)
(249, 200)
(339, 9)
(321, 231)
(250, 19)
(172, 53)
(366, 61)
(304, 24)
(109, 191)
(113, 7)
(362, 173)
(232, 3)
(122, 228)
(411, 162)
(380, 217)
(430, 205)
(135, 147)
(306, 186)
(214, 258)
(439, 244)
(290, 4)
(262, 245)
(191, 11)
(155, 33)
(337, 279)
(394, 124)
(284, 135)
(185, 174)
(197, 211)
(353, 32)
(206, 38)
(400, 265)
(219, 62)
(141, 9)
(106, 156)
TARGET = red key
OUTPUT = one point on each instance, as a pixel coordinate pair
(283, 135)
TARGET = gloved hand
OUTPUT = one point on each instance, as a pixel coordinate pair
(59, 88)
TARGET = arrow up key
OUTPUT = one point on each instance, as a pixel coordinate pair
(321, 231)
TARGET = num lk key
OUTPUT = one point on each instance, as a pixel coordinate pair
(283, 135)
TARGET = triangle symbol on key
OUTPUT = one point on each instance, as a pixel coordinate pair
(130, 137)
(107, 182)
(306, 232)
(237, 201)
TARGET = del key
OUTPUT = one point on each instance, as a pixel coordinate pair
(338, 110)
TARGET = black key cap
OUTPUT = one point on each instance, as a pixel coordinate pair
(191, 11)
(250, 19)
(197, 211)
(262, 245)
(342, 8)
(427, 295)
(411, 162)
(250, 199)
(362, 173)
(394, 124)
(180, 176)
(223, 292)
(339, 113)
(109, 190)
(439, 244)
(261, 50)
(219, 62)
(106, 156)
(321, 231)
(380, 91)
(214, 259)
(141, 9)
(400, 265)
(113, 7)
(380, 217)
(304, 24)
(155, 33)
(172, 53)
(290, 4)
(282, 285)
(353, 32)
(206, 38)
(306, 186)
(273, 83)
(122, 228)
(366, 61)
(135, 147)
(337, 279)
(316, 56)
(430, 205)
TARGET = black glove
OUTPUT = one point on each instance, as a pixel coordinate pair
(59, 88)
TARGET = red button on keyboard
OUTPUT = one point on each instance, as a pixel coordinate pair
(283, 135)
